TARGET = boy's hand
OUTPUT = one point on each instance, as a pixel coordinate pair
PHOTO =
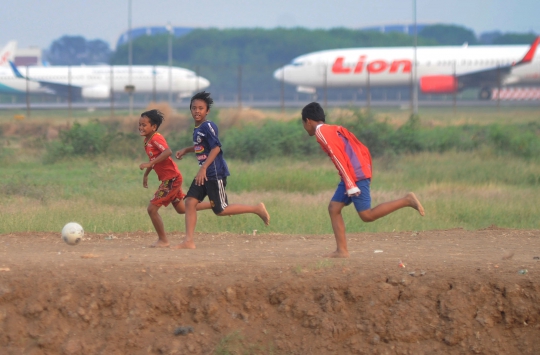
(145, 181)
(180, 153)
(355, 191)
(145, 166)
(201, 176)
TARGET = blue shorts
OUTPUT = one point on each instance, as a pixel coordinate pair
(362, 202)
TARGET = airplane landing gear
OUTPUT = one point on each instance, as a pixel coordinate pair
(485, 93)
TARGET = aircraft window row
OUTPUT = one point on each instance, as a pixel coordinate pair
(474, 62)
(487, 62)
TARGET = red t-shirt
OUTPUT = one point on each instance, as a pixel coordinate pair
(166, 169)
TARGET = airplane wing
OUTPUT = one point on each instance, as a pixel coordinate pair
(494, 76)
(59, 89)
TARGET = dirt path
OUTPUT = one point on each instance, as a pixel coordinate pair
(460, 292)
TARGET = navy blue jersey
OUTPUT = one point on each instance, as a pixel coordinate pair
(205, 138)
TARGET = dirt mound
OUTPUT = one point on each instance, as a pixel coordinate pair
(272, 294)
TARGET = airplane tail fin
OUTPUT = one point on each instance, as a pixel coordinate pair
(530, 53)
(7, 53)
(16, 71)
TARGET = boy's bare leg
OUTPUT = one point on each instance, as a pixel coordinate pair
(180, 207)
(162, 241)
(338, 225)
(191, 222)
(386, 208)
(259, 210)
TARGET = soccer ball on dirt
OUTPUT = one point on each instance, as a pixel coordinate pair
(72, 233)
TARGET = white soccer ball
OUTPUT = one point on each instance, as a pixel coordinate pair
(72, 233)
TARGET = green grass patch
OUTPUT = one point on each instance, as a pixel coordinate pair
(457, 189)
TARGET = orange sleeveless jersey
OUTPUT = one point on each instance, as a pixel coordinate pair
(349, 155)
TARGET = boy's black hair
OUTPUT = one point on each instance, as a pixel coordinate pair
(314, 112)
(155, 117)
(203, 95)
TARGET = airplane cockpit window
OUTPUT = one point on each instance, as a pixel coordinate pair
(298, 63)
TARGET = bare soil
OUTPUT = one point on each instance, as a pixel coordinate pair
(460, 292)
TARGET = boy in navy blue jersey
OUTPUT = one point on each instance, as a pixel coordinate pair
(211, 178)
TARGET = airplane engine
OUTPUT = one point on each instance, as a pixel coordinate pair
(96, 92)
(438, 84)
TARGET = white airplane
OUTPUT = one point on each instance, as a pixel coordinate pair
(94, 81)
(440, 70)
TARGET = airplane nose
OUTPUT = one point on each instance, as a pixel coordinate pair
(203, 83)
(278, 74)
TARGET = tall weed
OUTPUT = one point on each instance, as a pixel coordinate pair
(268, 139)
(91, 139)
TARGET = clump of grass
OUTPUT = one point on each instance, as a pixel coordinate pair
(227, 343)
(23, 186)
(233, 344)
(298, 270)
(323, 264)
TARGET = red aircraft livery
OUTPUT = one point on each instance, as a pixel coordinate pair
(374, 67)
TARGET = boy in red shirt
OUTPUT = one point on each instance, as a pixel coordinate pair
(353, 161)
(170, 190)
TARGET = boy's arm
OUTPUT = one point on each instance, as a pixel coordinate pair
(164, 155)
(145, 177)
(201, 174)
(339, 159)
(180, 153)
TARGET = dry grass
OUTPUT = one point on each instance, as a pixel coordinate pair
(46, 124)
(234, 117)
(437, 117)
(488, 191)
(172, 122)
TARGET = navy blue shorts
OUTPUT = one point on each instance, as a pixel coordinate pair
(362, 202)
(214, 189)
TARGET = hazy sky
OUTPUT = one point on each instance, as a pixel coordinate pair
(38, 22)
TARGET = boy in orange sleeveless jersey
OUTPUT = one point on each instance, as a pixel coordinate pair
(170, 189)
(353, 161)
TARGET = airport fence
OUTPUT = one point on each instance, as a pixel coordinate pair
(255, 86)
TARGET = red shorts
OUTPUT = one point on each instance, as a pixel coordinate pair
(170, 191)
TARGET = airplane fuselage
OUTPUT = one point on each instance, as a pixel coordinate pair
(360, 67)
(96, 81)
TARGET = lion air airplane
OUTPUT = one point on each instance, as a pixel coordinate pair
(94, 81)
(441, 70)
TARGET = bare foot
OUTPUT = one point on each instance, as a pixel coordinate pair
(159, 244)
(184, 245)
(338, 254)
(263, 213)
(415, 203)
